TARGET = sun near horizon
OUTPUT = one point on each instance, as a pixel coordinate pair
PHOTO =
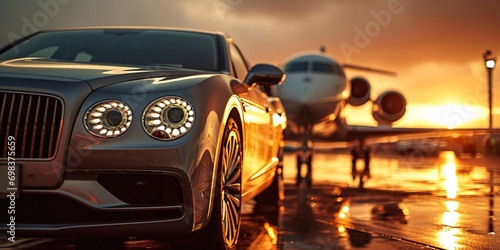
(427, 115)
(451, 115)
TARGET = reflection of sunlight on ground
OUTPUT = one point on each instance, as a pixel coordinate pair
(448, 236)
(444, 175)
(450, 180)
(450, 217)
(448, 206)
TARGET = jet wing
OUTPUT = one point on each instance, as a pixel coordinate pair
(341, 132)
(368, 132)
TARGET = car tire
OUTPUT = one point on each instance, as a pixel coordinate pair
(224, 226)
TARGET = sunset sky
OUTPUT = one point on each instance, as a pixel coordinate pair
(435, 47)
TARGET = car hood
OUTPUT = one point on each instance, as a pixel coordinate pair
(96, 75)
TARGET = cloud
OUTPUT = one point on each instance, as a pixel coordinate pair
(447, 30)
(433, 45)
(443, 31)
(30, 16)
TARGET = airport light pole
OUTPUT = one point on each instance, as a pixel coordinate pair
(489, 62)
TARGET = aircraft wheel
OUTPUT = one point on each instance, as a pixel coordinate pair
(309, 170)
(361, 182)
(299, 166)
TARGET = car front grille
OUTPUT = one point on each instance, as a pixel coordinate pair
(33, 121)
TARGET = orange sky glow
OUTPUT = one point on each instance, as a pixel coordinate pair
(435, 47)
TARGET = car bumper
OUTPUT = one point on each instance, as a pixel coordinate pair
(119, 204)
(159, 200)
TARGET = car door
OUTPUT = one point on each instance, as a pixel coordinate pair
(258, 146)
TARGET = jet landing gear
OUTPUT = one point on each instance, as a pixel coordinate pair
(304, 157)
(361, 152)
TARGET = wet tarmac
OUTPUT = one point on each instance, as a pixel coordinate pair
(410, 202)
(421, 202)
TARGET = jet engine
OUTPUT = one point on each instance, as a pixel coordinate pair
(389, 107)
(360, 91)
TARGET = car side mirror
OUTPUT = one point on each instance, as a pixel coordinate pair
(265, 75)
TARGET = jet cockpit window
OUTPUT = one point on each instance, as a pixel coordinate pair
(323, 67)
(340, 70)
(296, 67)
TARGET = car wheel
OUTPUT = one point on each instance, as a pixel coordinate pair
(224, 226)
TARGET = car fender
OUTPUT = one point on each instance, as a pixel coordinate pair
(233, 108)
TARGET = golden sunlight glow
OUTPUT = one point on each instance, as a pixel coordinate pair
(344, 212)
(341, 229)
(450, 217)
(33, 63)
(271, 231)
(450, 183)
(452, 205)
(448, 235)
(450, 115)
(449, 157)
(448, 238)
(449, 172)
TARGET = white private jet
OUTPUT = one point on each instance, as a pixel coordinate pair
(314, 93)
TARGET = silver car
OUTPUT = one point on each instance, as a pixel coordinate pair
(137, 131)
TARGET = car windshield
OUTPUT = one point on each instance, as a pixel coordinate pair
(123, 46)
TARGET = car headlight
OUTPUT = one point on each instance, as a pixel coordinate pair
(108, 119)
(168, 118)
